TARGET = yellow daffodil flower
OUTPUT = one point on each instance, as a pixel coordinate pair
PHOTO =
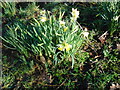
(67, 46)
(75, 14)
(61, 47)
(64, 46)
(43, 19)
(65, 29)
(62, 23)
(43, 12)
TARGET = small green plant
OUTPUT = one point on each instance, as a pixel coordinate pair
(14, 71)
(9, 9)
(110, 15)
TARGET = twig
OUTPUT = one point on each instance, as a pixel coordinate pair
(61, 84)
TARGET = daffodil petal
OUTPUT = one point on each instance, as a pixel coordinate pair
(67, 49)
(60, 48)
(64, 46)
(62, 23)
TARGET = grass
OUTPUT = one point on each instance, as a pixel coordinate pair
(60, 48)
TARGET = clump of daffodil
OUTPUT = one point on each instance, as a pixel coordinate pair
(43, 19)
(65, 29)
(85, 33)
(75, 14)
(62, 23)
(64, 46)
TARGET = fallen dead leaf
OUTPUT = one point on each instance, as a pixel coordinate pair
(118, 47)
(49, 62)
(102, 38)
(96, 56)
(114, 86)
